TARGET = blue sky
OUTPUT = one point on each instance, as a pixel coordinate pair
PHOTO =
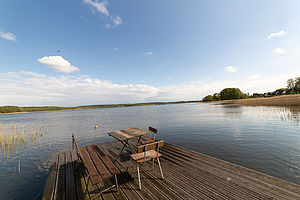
(97, 52)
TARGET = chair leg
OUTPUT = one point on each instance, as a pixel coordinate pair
(128, 164)
(162, 176)
(139, 177)
(152, 164)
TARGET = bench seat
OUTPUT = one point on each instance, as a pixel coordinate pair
(97, 163)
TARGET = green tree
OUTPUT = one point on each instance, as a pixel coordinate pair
(291, 86)
(216, 97)
(232, 93)
(208, 98)
(297, 85)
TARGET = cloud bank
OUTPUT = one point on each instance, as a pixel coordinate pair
(58, 64)
(29, 88)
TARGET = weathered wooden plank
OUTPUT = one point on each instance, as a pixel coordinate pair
(224, 185)
(51, 181)
(108, 163)
(255, 175)
(119, 135)
(70, 181)
(254, 184)
(147, 147)
(60, 192)
(102, 170)
(88, 163)
(128, 133)
(146, 156)
(146, 140)
(81, 188)
(123, 180)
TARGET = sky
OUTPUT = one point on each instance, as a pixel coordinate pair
(86, 52)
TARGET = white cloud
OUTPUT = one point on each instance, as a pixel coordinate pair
(58, 64)
(230, 69)
(116, 20)
(116, 49)
(101, 7)
(254, 77)
(278, 51)
(29, 88)
(278, 34)
(148, 53)
(8, 36)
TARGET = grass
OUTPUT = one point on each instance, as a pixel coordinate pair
(284, 100)
(16, 109)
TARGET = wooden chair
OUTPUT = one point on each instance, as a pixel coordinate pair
(97, 164)
(151, 138)
(145, 153)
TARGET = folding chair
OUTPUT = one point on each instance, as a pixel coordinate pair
(145, 153)
(151, 138)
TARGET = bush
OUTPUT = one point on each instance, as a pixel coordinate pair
(208, 98)
(232, 93)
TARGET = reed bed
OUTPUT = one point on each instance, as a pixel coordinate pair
(286, 100)
(13, 136)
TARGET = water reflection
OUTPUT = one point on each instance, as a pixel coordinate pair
(291, 114)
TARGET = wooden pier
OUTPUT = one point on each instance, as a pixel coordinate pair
(188, 175)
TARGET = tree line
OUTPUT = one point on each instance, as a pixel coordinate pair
(293, 87)
(226, 94)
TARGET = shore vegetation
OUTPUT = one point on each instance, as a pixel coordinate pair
(16, 109)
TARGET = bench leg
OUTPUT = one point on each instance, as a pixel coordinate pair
(139, 177)
(116, 180)
(162, 176)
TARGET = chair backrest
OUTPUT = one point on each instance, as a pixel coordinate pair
(148, 147)
(75, 147)
(154, 131)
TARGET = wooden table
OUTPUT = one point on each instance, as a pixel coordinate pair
(126, 134)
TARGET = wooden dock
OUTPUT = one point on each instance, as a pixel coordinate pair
(188, 175)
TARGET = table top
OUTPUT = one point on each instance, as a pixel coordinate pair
(128, 133)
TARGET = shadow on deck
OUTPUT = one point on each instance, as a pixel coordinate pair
(188, 175)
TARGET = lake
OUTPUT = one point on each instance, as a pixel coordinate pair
(266, 139)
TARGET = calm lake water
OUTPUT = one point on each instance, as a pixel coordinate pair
(266, 139)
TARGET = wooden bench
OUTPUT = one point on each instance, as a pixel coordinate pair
(97, 164)
(151, 138)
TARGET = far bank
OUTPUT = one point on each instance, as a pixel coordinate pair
(284, 100)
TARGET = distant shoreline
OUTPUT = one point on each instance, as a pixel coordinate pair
(284, 100)
(56, 108)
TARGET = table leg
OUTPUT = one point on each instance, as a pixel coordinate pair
(138, 140)
(124, 145)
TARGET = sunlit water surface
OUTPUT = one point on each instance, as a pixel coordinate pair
(266, 139)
